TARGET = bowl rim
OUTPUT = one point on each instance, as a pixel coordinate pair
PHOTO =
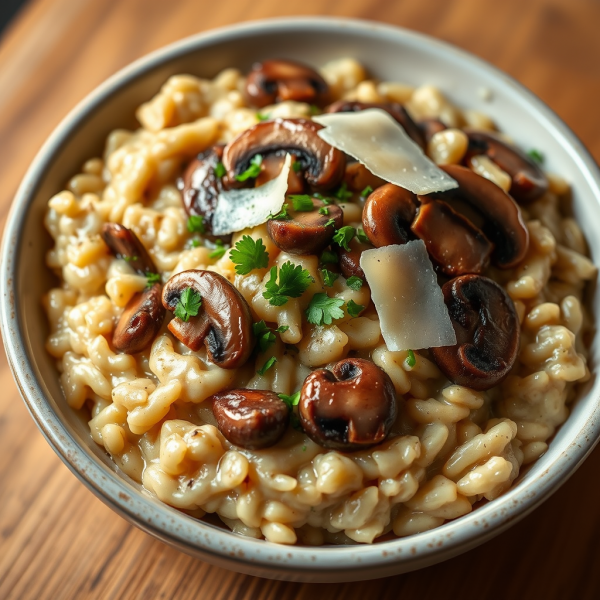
(202, 539)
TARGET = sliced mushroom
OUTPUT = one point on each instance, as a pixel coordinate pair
(358, 178)
(322, 165)
(487, 329)
(124, 243)
(528, 181)
(273, 81)
(270, 168)
(452, 241)
(388, 214)
(223, 323)
(351, 407)
(500, 217)
(350, 259)
(140, 322)
(252, 419)
(200, 186)
(395, 110)
(429, 127)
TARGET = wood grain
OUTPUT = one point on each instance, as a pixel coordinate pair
(56, 539)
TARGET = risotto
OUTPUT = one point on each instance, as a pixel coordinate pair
(230, 312)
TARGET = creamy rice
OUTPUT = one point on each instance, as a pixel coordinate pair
(450, 447)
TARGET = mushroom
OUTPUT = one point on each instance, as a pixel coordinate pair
(351, 407)
(140, 321)
(492, 210)
(223, 323)
(271, 166)
(358, 178)
(453, 242)
(251, 419)
(388, 214)
(306, 232)
(124, 243)
(350, 259)
(395, 110)
(528, 181)
(321, 164)
(429, 127)
(200, 186)
(487, 331)
(274, 81)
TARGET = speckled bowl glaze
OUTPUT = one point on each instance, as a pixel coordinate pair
(388, 53)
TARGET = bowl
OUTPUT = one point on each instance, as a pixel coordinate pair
(389, 53)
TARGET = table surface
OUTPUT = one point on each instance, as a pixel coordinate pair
(56, 539)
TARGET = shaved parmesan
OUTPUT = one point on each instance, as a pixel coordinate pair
(408, 299)
(238, 209)
(380, 143)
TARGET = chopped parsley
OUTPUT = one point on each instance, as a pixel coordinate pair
(292, 400)
(265, 336)
(188, 305)
(249, 254)
(411, 361)
(297, 166)
(314, 109)
(268, 364)
(293, 282)
(329, 257)
(342, 192)
(354, 309)
(536, 156)
(366, 191)
(152, 278)
(354, 283)
(220, 170)
(195, 224)
(328, 277)
(343, 236)
(262, 116)
(253, 169)
(323, 309)
(283, 214)
(302, 203)
(362, 236)
(195, 243)
(330, 223)
(323, 210)
(219, 251)
(130, 258)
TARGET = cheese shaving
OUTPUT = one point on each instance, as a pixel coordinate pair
(238, 209)
(380, 143)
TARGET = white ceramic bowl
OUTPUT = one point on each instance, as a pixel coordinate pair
(388, 53)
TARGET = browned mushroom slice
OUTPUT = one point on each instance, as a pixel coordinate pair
(350, 259)
(306, 232)
(274, 81)
(453, 242)
(200, 186)
(395, 110)
(528, 181)
(140, 322)
(223, 323)
(487, 329)
(322, 165)
(270, 168)
(430, 127)
(124, 243)
(359, 178)
(351, 407)
(251, 419)
(496, 214)
(388, 214)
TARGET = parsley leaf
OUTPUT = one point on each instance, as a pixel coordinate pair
(152, 278)
(342, 192)
(130, 258)
(302, 203)
(328, 277)
(262, 116)
(362, 236)
(219, 251)
(196, 243)
(292, 400)
(253, 169)
(314, 109)
(283, 214)
(195, 224)
(329, 257)
(330, 223)
(249, 254)
(296, 166)
(220, 170)
(265, 336)
(410, 360)
(536, 156)
(323, 309)
(268, 364)
(188, 305)
(366, 191)
(354, 309)
(323, 210)
(343, 236)
(354, 283)
(293, 282)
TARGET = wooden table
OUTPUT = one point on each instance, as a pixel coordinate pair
(56, 539)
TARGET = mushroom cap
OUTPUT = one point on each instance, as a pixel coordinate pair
(487, 331)
(350, 259)
(322, 164)
(124, 243)
(349, 408)
(223, 323)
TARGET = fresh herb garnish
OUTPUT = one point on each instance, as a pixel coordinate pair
(304, 448)
(220, 170)
(366, 191)
(266, 336)
(296, 166)
(328, 257)
(330, 223)
(342, 192)
(328, 277)
(249, 254)
(536, 156)
(323, 210)
(195, 224)
(253, 169)
(411, 360)
(302, 202)
(354, 309)
(292, 400)
(152, 278)
(293, 282)
(283, 214)
(130, 258)
(343, 236)
(354, 283)
(219, 251)
(362, 236)
(268, 364)
(323, 309)
(314, 109)
(262, 116)
(195, 243)
(188, 305)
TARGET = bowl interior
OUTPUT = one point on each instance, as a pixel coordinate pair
(388, 54)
